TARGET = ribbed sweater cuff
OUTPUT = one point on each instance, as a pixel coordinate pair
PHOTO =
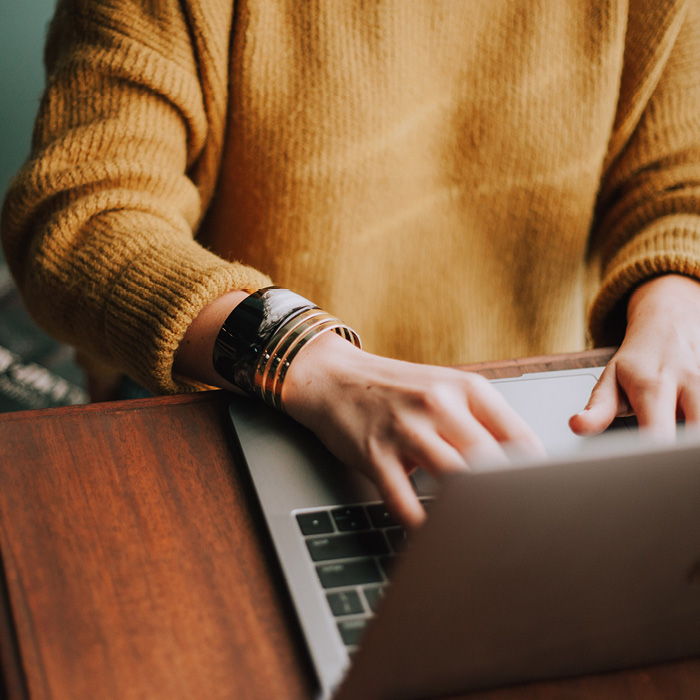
(154, 300)
(669, 245)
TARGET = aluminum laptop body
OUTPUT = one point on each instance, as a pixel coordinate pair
(573, 567)
(293, 474)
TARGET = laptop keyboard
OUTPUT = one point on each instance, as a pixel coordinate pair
(352, 549)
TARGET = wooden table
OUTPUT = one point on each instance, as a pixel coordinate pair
(136, 565)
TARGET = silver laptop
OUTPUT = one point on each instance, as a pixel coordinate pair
(587, 561)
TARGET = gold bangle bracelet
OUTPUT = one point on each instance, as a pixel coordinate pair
(343, 331)
(313, 331)
(283, 347)
(283, 354)
(270, 358)
(312, 334)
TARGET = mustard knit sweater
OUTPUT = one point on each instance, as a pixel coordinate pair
(457, 179)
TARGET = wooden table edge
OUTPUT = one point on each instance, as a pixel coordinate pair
(499, 368)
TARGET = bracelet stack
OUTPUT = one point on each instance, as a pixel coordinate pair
(262, 336)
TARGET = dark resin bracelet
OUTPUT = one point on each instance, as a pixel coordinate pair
(249, 329)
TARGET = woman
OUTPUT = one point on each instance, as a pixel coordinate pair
(456, 181)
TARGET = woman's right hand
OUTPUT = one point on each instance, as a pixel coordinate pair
(387, 417)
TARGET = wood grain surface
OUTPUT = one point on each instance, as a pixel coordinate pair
(137, 564)
(134, 560)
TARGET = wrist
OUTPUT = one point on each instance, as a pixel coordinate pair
(316, 371)
(660, 291)
(193, 356)
(261, 338)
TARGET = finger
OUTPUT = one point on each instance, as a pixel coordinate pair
(604, 404)
(689, 402)
(654, 402)
(396, 490)
(449, 431)
(454, 425)
(472, 441)
(498, 417)
(434, 454)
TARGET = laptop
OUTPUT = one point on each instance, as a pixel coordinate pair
(586, 561)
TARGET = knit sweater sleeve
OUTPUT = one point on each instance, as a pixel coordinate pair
(648, 220)
(98, 227)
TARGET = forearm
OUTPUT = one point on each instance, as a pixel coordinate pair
(193, 358)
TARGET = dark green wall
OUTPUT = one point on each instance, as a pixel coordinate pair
(35, 371)
(22, 29)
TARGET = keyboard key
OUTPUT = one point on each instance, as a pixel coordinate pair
(380, 516)
(345, 603)
(373, 594)
(350, 518)
(387, 563)
(348, 573)
(316, 523)
(356, 544)
(396, 537)
(351, 631)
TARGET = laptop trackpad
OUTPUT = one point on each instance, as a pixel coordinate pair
(547, 403)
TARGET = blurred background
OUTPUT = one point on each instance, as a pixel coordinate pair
(35, 371)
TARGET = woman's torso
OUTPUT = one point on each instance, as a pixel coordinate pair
(425, 171)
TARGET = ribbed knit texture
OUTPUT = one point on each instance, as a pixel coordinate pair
(457, 180)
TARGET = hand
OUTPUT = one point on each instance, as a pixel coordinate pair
(656, 370)
(388, 417)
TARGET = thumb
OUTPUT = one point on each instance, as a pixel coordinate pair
(603, 406)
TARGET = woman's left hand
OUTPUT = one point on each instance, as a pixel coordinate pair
(656, 371)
